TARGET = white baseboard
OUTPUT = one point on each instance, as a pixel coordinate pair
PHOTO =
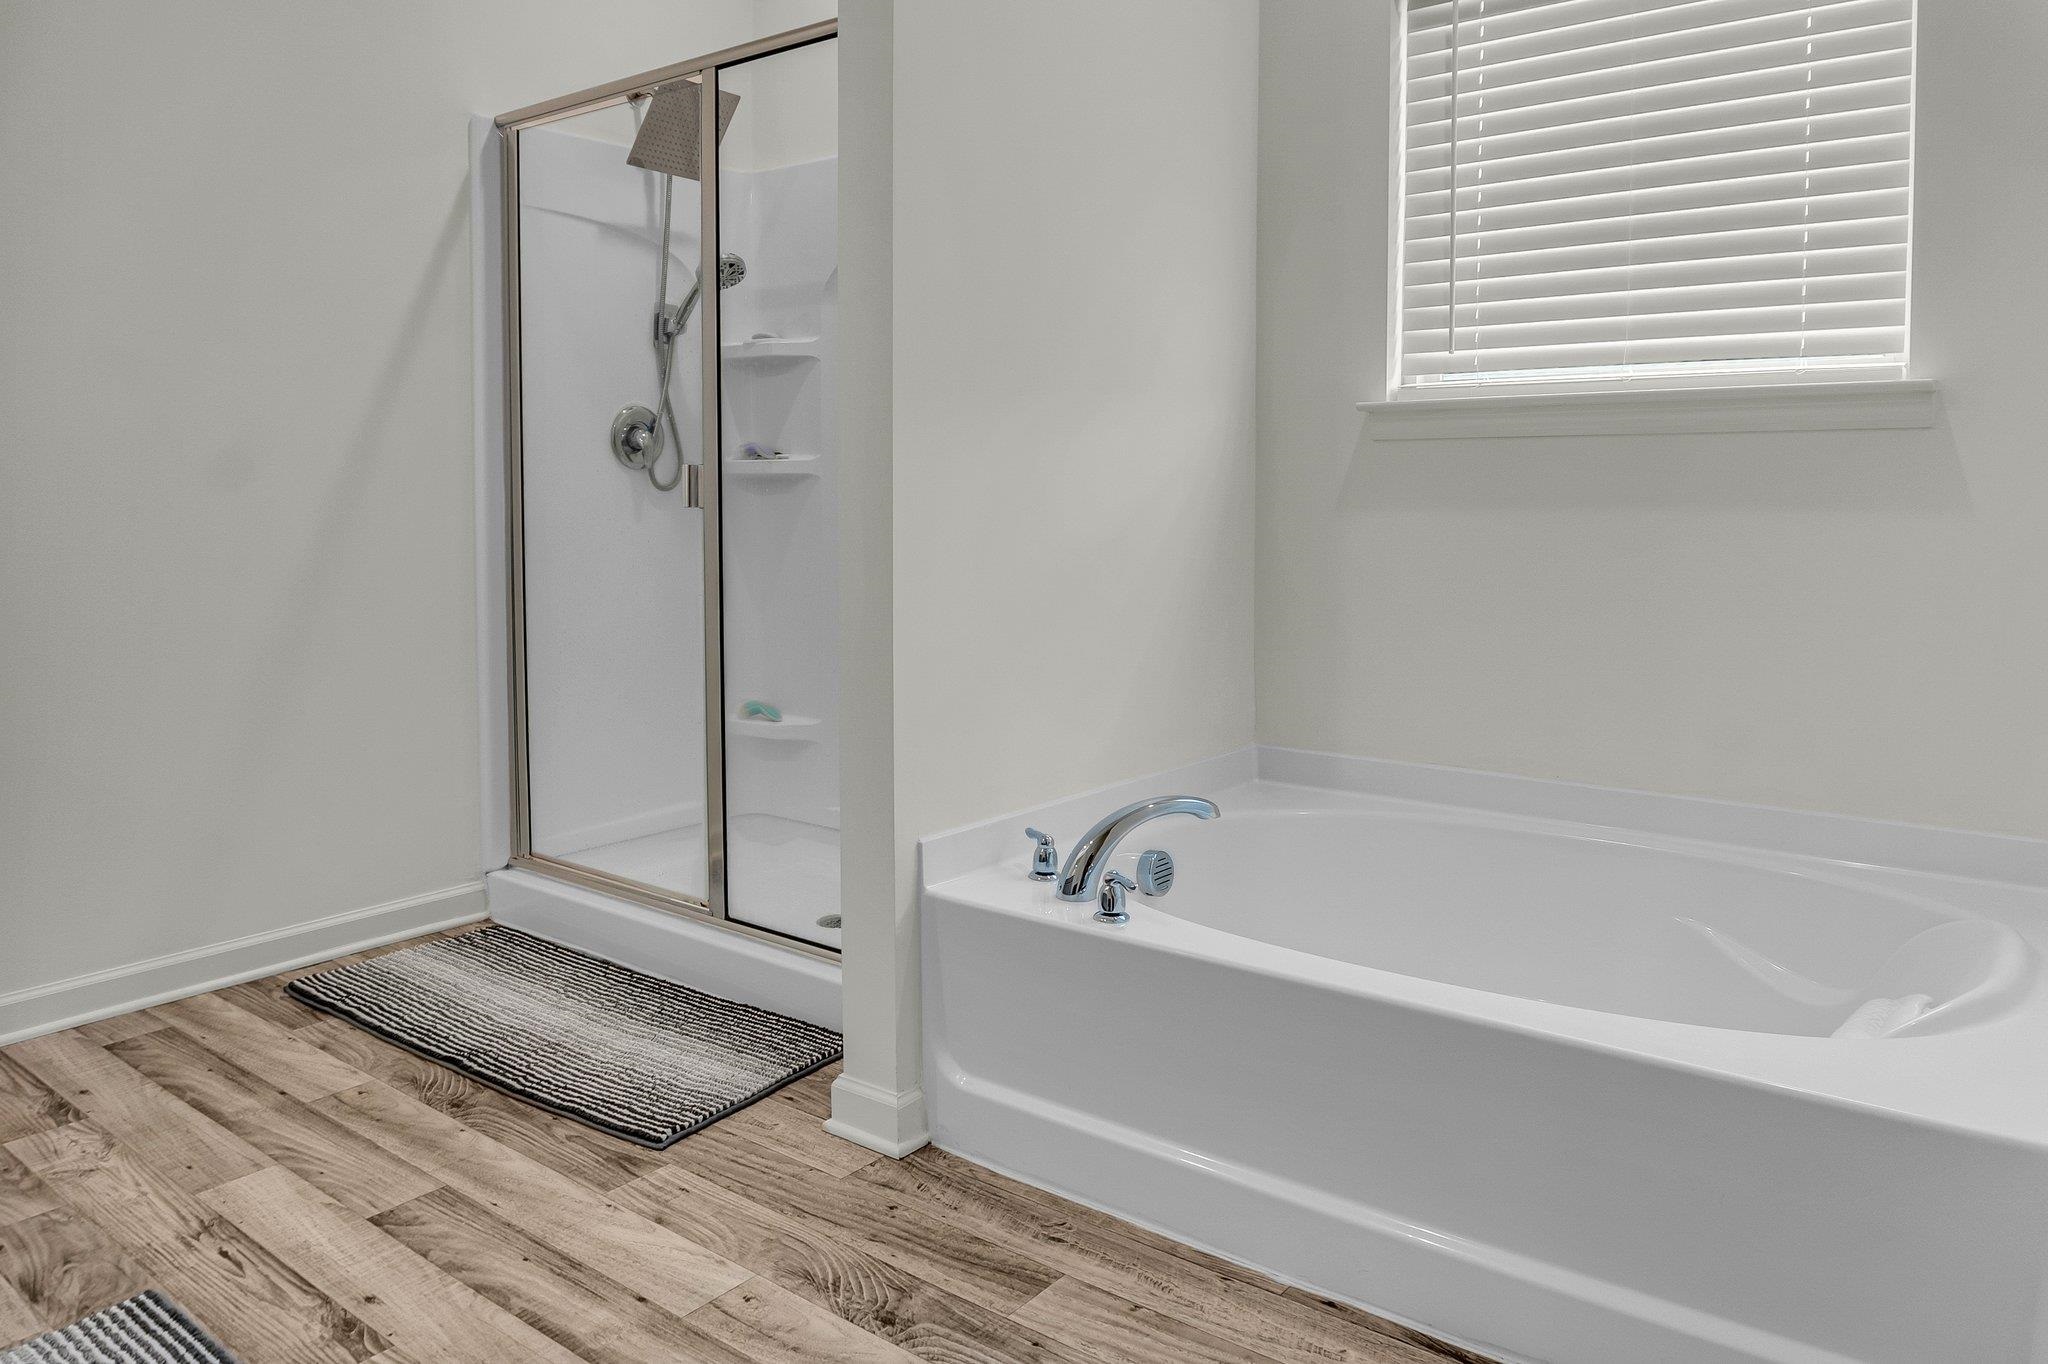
(122, 989)
(876, 1118)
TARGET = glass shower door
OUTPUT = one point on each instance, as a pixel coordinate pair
(609, 574)
(778, 499)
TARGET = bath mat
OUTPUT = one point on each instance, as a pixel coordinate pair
(630, 1054)
(146, 1329)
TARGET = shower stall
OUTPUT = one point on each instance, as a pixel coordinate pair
(670, 494)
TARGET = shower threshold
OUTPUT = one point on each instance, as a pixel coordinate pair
(782, 874)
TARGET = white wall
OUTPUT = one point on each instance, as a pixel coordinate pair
(1074, 237)
(1072, 260)
(1853, 621)
(235, 528)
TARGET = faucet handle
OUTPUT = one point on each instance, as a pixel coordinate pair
(1109, 909)
(1045, 858)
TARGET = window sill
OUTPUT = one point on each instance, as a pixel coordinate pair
(1868, 405)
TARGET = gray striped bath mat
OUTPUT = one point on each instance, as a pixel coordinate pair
(630, 1054)
(146, 1329)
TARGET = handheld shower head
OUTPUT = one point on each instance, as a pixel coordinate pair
(670, 322)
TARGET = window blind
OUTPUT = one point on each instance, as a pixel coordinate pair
(1631, 190)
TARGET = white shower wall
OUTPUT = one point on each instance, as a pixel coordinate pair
(782, 530)
(614, 603)
(614, 568)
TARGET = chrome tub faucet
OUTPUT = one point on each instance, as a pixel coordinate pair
(1083, 876)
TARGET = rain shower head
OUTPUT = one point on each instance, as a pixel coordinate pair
(670, 139)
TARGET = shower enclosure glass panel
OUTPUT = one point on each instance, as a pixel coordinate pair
(777, 210)
(613, 571)
(672, 486)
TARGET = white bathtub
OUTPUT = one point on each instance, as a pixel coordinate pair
(1563, 1092)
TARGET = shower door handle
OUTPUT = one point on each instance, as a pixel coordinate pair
(692, 489)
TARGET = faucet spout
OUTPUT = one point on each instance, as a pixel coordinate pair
(1081, 878)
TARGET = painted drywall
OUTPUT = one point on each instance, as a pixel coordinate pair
(877, 1099)
(1074, 237)
(236, 527)
(1845, 621)
(1071, 230)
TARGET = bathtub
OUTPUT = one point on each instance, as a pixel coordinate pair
(1588, 1091)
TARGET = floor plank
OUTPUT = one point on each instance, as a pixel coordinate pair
(812, 1094)
(268, 1001)
(1143, 1267)
(354, 1171)
(270, 1053)
(588, 1312)
(768, 1324)
(789, 1130)
(64, 1267)
(22, 1191)
(256, 1304)
(18, 1317)
(27, 1104)
(1113, 1330)
(838, 1275)
(954, 1258)
(1357, 1319)
(405, 1299)
(119, 1028)
(668, 1268)
(197, 1152)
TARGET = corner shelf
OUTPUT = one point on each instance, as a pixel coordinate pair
(790, 729)
(771, 348)
(789, 466)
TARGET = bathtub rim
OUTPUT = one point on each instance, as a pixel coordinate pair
(1852, 841)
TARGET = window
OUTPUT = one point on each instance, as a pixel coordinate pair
(1640, 193)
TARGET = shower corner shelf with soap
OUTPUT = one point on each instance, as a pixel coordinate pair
(788, 466)
(790, 729)
(771, 348)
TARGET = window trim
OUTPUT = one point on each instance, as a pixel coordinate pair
(1866, 405)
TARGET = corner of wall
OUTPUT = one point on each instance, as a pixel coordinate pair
(876, 1100)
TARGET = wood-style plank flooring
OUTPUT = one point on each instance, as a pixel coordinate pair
(314, 1194)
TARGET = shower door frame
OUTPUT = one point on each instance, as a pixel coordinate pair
(707, 477)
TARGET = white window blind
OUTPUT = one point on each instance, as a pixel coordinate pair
(1631, 191)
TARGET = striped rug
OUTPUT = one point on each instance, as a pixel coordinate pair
(641, 1058)
(146, 1329)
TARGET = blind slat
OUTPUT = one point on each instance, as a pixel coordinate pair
(1430, 146)
(1890, 151)
(1875, 345)
(1794, 318)
(1613, 188)
(1746, 96)
(1435, 314)
(1796, 263)
(1570, 78)
(1588, 221)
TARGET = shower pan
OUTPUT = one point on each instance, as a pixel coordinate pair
(671, 519)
